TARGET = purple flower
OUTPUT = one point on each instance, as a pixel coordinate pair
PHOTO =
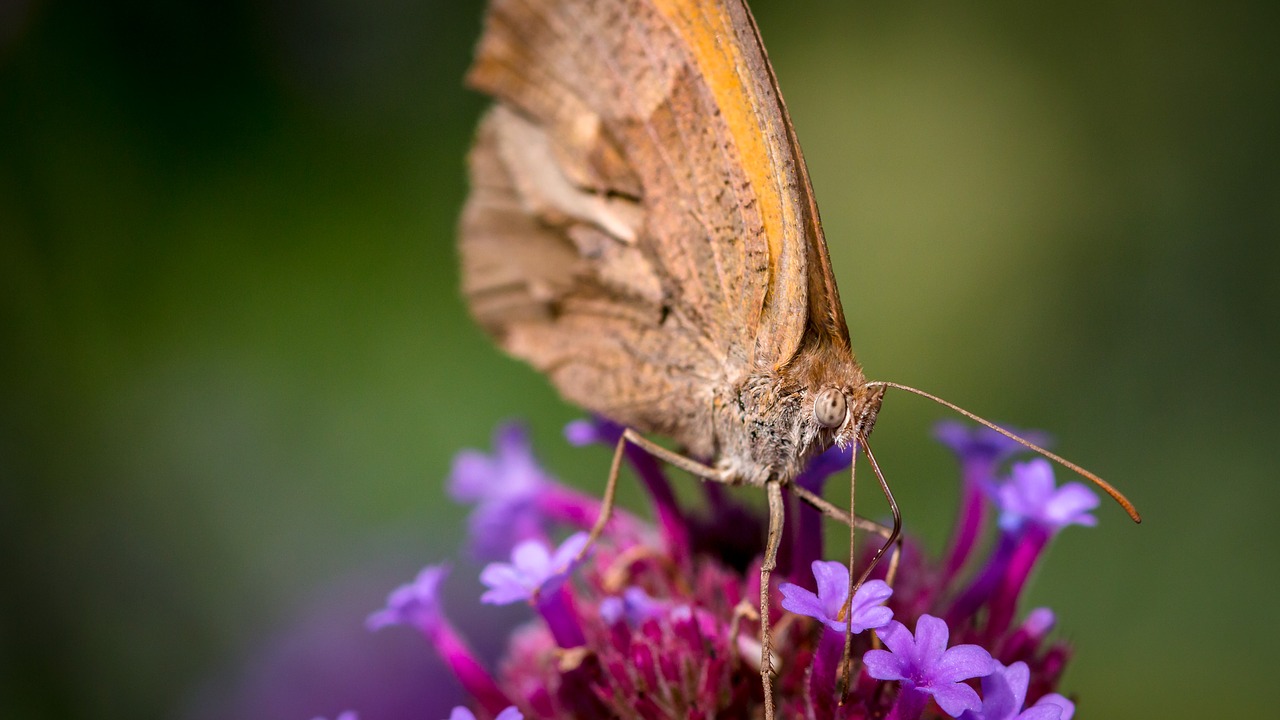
(804, 526)
(462, 713)
(661, 624)
(532, 571)
(1030, 496)
(1024, 644)
(980, 451)
(1039, 622)
(505, 487)
(418, 604)
(348, 715)
(924, 665)
(590, 431)
(414, 603)
(1004, 692)
(828, 604)
(1032, 512)
(671, 521)
(976, 443)
(635, 606)
(830, 462)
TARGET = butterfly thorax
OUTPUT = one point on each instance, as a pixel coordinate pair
(766, 424)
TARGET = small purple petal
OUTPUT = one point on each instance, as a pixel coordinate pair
(869, 611)
(1015, 678)
(347, 715)
(1001, 699)
(961, 663)
(901, 644)
(1040, 712)
(802, 602)
(506, 585)
(1071, 505)
(612, 609)
(569, 550)
(594, 430)
(1039, 622)
(582, 432)
(955, 698)
(1066, 708)
(833, 586)
(531, 558)
(931, 638)
(512, 441)
(469, 479)
(462, 713)
(883, 665)
(1026, 638)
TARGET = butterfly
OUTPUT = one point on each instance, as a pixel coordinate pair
(641, 228)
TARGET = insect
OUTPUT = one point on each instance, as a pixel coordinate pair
(641, 228)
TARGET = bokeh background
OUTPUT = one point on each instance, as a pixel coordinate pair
(234, 366)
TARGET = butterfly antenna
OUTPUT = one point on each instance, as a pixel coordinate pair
(1106, 486)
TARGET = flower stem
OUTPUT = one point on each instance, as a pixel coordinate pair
(466, 668)
(561, 616)
(969, 522)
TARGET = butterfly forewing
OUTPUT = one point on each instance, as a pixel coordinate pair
(641, 226)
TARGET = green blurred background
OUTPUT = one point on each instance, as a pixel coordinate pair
(234, 365)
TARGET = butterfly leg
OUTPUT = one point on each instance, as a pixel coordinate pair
(894, 533)
(774, 491)
(615, 468)
(835, 513)
(743, 611)
(606, 503)
(891, 537)
(890, 540)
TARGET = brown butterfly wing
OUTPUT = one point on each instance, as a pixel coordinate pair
(641, 226)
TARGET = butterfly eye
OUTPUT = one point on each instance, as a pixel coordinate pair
(830, 408)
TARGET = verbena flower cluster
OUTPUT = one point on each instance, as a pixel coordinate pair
(658, 620)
